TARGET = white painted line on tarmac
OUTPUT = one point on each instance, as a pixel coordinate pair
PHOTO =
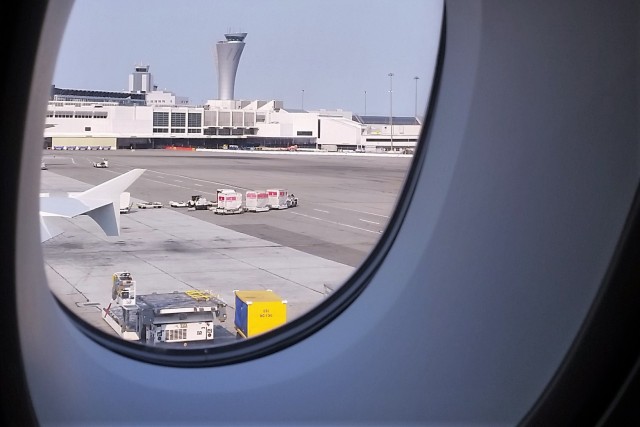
(225, 184)
(363, 212)
(337, 223)
(177, 180)
(320, 210)
(198, 185)
(370, 222)
(176, 185)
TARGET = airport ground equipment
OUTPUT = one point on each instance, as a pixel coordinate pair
(258, 311)
(178, 204)
(292, 200)
(162, 318)
(198, 203)
(229, 203)
(279, 198)
(43, 166)
(220, 191)
(104, 163)
(150, 205)
(123, 288)
(256, 201)
(125, 202)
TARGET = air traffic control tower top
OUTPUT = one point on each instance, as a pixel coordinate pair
(228, 56)
(235, 37)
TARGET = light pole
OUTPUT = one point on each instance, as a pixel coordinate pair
(365, 102)
(391, 107)
(302, 107)
(416, 110)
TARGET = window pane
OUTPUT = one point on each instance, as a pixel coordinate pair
(256, 201)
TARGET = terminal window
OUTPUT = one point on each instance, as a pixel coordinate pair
(195, 120)
(178, 119)
(160, 118)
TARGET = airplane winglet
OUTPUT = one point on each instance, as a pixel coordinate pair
(101, 203)
(108, 216)
(112, 188)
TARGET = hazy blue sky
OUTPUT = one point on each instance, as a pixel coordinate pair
(333, 50)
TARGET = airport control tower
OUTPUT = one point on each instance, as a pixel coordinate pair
(228, 56)
(141, 81)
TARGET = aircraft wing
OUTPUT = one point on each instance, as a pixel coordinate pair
(101, 203)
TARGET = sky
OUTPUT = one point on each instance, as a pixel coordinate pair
(311, 54)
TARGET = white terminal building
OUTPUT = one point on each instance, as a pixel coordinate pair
(145, 117)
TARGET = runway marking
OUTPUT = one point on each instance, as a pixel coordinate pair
(364, 212)
(177, 180)
(176, 185)
(224, 184)
(195, 184)
(370, 222)
(320, 210)
(337, 223)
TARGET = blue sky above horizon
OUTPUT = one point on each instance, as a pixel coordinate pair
(332, 50)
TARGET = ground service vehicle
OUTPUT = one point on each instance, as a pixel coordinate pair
(161, 318)
(514, 247)
(123, 288)
(150, 205)
(101, 164)
(198, 203)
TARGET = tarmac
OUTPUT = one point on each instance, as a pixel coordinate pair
(299, 253)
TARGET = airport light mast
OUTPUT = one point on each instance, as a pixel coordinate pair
(391, 106)
(365, 102)
(416, 107)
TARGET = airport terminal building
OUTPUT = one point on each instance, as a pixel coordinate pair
(144, 117)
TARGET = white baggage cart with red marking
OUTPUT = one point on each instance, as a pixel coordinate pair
(257, 201)
(229, 203)
(277, 198)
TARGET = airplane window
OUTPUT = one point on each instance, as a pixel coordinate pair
(223, 176)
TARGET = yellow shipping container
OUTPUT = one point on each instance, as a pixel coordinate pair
(258, 312)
